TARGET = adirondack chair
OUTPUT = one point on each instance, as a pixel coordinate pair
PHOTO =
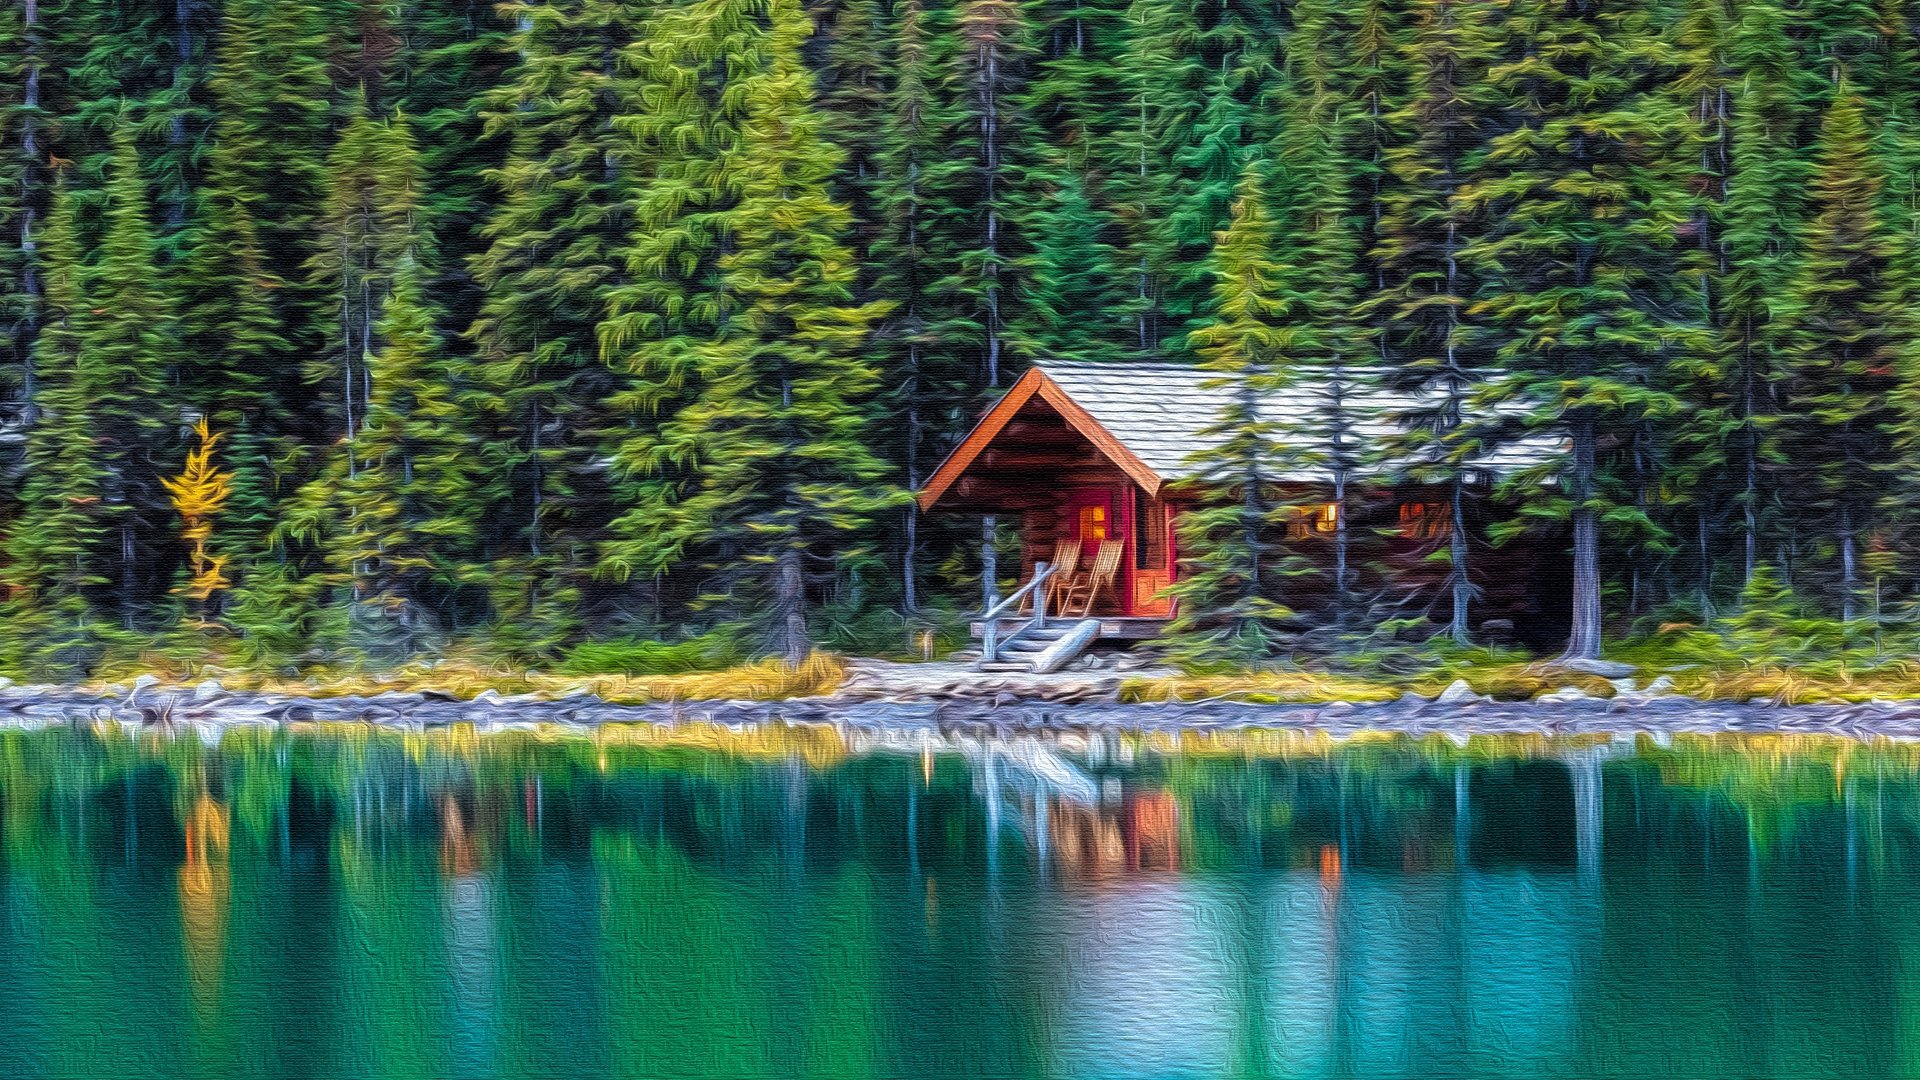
(1084, 590)
(1065, 563)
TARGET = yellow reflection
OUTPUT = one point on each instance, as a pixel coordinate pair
(206, 884)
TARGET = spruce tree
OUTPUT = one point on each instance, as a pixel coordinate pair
(1232, 574)
(561, 218)
(129, 339)
(1432, 350)
(1319, 275)
(374, 188)
(272, 105)
(1846, 328)
(1076, 295)
(396, 512)
(1760, 218)
(54, 547)
(933, 384)
(1579, 277)
(779, 473)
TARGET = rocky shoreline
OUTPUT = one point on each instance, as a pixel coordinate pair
(989, 708)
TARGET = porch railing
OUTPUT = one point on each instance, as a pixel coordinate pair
(990, 641)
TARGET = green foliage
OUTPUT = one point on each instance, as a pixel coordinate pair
(527, 324)
(710, 651)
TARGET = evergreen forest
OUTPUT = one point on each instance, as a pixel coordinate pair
(375, 328)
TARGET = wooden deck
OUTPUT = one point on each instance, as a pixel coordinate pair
(1112, 627)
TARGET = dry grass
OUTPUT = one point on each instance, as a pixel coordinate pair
(1259, 687)
(768, 680)
(1516, 681)
(1894, 681)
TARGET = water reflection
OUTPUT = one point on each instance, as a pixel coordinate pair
(796, 901)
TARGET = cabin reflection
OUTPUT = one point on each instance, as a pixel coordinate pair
(1401, 807)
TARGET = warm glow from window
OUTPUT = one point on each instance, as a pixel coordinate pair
(1424, 520)
(1313, 518)
(1093, 522)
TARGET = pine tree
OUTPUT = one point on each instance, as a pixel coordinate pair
(130, 340)
(933, 384)
(1433, 351)
(696, 71)
(1198, 80)
(1231, 575)
(1766, 173)
(396, 511)
(1319, 272)
(55, 545)
(1579, 277)
(456, 58)
(1076, 296)
(561, 219)
(1846, 330)
(775, 437)
(374, 189)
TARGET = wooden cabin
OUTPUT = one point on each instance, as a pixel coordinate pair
(1107, 451)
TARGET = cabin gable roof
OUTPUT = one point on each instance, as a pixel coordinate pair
(1036, 383)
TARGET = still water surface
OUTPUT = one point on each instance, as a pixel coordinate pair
(790, 902)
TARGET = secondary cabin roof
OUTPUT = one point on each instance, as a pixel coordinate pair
(1151, 420)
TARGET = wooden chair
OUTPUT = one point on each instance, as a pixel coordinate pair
(1083, 591)
(1066, 563)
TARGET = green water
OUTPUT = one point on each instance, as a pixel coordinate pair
(336, 904)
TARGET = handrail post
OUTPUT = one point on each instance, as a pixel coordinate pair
(1040, 573)
(990, 618)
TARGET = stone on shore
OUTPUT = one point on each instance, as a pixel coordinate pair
(1606, 669)
(1459, 693)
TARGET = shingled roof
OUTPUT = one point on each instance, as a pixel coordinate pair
(1162, 412)
(1153, 420)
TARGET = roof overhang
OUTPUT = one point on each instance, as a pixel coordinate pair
(1034, 383)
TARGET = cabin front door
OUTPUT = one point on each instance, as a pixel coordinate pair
(1152, 557)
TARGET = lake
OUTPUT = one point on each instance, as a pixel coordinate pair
(707, 902)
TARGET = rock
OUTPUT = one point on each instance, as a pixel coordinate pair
(489, 696)
(1606, 669)
(208, 689)
(1565, 694)
(1661, 685)
(1459, 693)
(5, 682)
(143, 682)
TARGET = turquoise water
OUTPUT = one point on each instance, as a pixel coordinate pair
(782, 903)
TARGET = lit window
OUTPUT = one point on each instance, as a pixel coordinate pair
(1305, 521)
(1424, 520)
(1093, 522)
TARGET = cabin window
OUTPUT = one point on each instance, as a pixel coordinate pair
(1149, 534)
(1093, 522)
(1425, 520)
(1312, 519)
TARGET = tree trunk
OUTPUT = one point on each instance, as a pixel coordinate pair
(989, 562)
(790, 607)
(1457, 556)
(1849, 566)
(1584, 642)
